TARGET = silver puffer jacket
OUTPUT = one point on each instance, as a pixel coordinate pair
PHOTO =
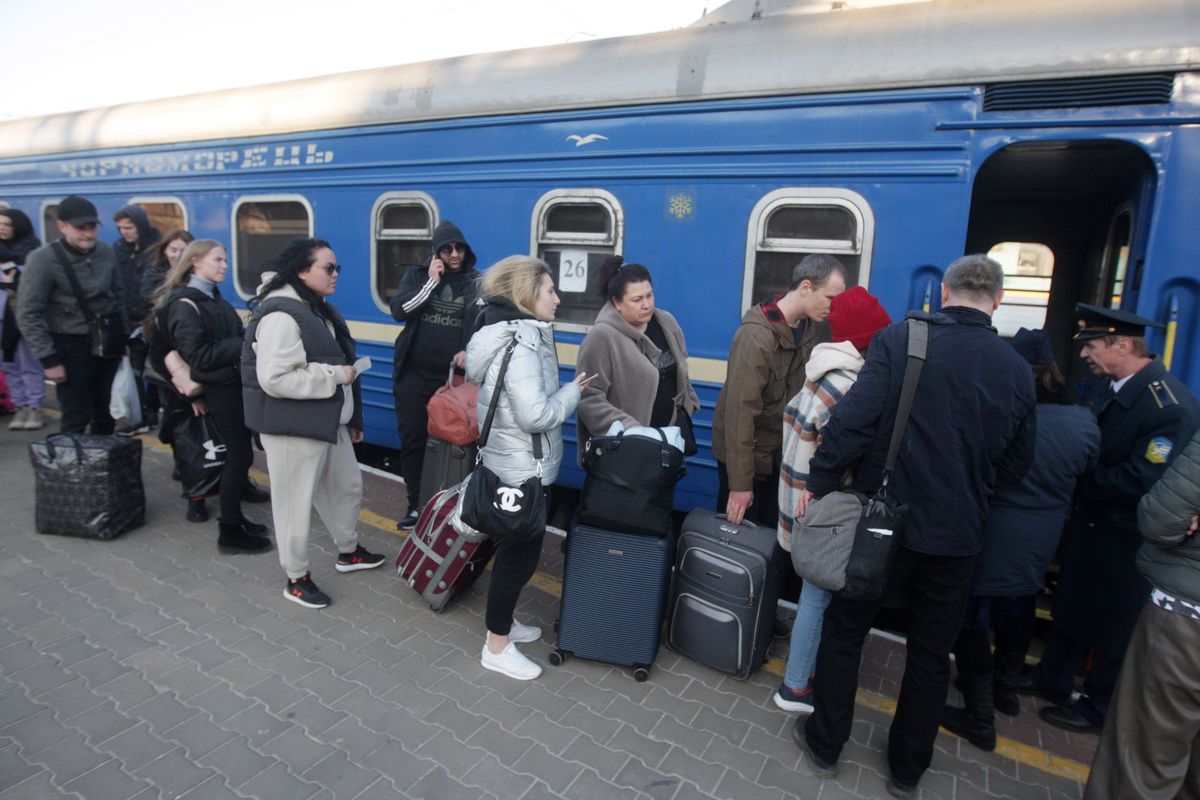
(532, 400)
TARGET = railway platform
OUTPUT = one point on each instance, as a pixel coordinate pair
(153, 667)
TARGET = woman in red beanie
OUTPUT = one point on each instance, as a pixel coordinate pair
(830, 372)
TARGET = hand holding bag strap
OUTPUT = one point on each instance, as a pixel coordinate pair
(60, 253)
(918, 351)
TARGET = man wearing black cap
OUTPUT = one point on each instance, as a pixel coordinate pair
(52, 319)
(1145, 418)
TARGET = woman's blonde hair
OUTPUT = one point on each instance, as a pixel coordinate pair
(515, 279)
(181, 271)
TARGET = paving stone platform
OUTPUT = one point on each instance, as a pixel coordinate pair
(153, 667)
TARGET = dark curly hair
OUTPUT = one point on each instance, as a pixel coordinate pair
(615, 275)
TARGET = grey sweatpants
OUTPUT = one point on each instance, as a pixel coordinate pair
(307, 474)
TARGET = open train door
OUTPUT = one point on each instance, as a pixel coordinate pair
(1068, 220)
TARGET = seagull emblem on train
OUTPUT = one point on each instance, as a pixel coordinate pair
(580, 141)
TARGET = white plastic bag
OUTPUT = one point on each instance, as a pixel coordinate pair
(124, 403)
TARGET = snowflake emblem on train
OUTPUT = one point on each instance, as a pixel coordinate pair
(680, 206)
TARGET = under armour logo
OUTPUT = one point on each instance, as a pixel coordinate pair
(211, 451)
(509, 495)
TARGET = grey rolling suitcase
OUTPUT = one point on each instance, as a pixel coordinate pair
(445, 465)
(726, 585)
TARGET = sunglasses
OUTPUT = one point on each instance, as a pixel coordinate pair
(457, 248)
(332, 269)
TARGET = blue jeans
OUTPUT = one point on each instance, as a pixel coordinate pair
(806, 635)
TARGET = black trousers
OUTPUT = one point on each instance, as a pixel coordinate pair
(937, 588)
(84, 396)
(1056, 674)
(412, 392)
(512, 567)
(1010, 619)
(226, 411)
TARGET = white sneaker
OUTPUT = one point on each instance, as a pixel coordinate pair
(521, 633)
(17, 423)
(34, 420)
(510, 662)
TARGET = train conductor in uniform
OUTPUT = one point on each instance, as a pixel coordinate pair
(1146, 416)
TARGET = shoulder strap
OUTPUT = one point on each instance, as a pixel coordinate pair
(60, 253)
(918, 351)
(491, 413)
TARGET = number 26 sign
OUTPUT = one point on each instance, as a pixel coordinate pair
(572, 271)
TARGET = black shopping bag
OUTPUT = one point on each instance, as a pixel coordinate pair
(88, 486)
(200, 456)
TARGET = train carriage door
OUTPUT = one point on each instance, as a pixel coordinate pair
(1068, 221)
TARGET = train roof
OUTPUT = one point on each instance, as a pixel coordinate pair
(934, 43)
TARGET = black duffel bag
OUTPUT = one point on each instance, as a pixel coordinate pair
(89, 486)
(630, 483)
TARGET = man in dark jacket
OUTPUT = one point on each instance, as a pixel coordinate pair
(971, 427)
(1152, 734)
(137, 234)
(53, 323)
(436, 303)
(1145, 417)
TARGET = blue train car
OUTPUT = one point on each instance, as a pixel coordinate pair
(1060, 137)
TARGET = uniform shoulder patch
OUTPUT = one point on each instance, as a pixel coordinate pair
(1159, 450)
(1163, 396)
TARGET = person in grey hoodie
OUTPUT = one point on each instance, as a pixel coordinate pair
(1150, 745)
(520, 304)
(53, 323)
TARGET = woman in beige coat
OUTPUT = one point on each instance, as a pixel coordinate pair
(638, 357)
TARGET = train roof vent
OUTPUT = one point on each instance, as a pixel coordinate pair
(1113, 90)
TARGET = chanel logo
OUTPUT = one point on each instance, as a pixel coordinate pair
(509, 495)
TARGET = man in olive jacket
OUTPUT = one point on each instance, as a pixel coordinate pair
(1153, 725)
(766, 369)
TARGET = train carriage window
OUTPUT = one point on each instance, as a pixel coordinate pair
(1028, 270)
(574, 230)
(50, 222)
(402, 227)
(165, 213)
(788, 224)
(262, 227)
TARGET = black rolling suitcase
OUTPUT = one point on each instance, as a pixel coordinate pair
(445, 465)
(726, 585)
(614, 591)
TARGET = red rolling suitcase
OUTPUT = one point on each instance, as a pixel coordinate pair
(437, 561)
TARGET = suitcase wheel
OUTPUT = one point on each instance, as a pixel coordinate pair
(556, 658)
(640, 674)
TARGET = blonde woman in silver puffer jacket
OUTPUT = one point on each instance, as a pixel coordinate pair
(519, 304)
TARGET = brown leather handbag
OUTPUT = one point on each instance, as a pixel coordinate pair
(452, 411)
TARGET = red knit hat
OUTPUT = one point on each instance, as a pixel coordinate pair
(855, 317)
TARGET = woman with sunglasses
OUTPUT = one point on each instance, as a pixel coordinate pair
(207, 332)
(435, 302)
(302, 399)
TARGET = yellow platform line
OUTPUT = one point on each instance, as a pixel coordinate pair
(544, 582)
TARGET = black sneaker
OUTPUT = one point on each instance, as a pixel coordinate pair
(133, 430)
(820, 767)
(789, 699)
(306, 593)
(252, 493)
(361, 558)
(197, 511)
(408, 523)
(898, 789)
